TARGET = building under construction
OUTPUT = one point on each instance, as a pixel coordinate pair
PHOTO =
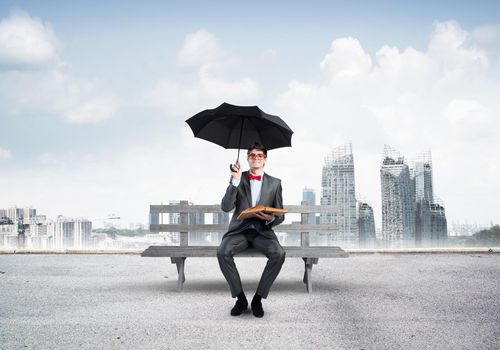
(338, 190)
(430, 219)
(398, 203)
(366, 225)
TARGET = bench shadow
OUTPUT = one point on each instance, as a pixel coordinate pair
(220, 286)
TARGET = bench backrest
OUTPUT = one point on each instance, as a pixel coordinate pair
(184, 209)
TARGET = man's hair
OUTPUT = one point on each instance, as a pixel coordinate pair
(259, 147)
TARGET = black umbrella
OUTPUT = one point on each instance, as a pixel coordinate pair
(239, 127)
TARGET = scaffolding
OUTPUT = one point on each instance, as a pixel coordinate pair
(398, 209)
(366, 225)
(439, 224)
(338, 190)
(430, 220)
(421, 171)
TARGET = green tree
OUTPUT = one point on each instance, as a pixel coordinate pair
(488, 237)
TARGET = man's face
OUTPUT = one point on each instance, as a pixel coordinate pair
(256, 159)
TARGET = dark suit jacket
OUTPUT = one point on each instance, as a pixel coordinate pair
(240, 198)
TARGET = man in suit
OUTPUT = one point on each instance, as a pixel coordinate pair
(248, 189)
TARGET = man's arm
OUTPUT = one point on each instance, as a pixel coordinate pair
(278, 203)
(229, 200)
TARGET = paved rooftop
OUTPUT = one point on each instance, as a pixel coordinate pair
(373, 301)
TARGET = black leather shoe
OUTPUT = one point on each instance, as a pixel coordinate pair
(239, 307)
(257, 309)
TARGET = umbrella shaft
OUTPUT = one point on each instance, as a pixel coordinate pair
(239, 142)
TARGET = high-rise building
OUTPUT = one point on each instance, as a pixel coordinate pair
(154, 218)
(17, 214)
(221, 218)
(198, 237)
(366, 225)
(195, 238)
(70, 233)
(421, 173)
(398, 203)
(8, 233)
(338, 190)
(439, 225)
(309, 197)
(430, 218)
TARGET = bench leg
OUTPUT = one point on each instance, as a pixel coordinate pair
(308, 264)
(180, 271)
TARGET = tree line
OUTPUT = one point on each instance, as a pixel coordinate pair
(487, 237)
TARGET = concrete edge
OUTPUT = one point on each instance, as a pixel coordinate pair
(71, 251)
(461, 250)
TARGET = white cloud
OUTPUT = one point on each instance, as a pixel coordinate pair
(4, 154)
(346, 59)
(26, 42)
(125, 183)
(91, 111)
(269, 54)
(52, 88)
(470, 120)
(214, 82)
(199, 48)
(451, 56)
(47, 158)
(59, 92)
(209, 91)
(412, 99)
(486, 35)
(440, 99)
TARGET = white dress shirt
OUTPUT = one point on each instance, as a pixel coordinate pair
(255, 190)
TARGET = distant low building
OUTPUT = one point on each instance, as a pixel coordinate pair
(309, 197)
(8, 234)
(70, 233)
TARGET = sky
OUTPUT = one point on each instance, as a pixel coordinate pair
(94, 98)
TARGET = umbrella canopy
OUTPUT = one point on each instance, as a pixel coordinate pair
(239, 127)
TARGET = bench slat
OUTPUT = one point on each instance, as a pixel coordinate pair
(211, 251)
(215, 208)
(223, 228)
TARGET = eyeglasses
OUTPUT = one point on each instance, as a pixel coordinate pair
(256, 156)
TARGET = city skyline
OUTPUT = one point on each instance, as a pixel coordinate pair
(97, 126)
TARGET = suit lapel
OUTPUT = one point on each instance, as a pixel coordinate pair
(263, 189)
(246, 188)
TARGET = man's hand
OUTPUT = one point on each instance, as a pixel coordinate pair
(237, 173)
(264, 216)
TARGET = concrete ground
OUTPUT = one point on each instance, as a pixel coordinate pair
(372, 301)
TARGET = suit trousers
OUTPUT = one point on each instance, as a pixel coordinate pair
(234, 244)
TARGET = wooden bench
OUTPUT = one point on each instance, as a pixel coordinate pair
(178, 254)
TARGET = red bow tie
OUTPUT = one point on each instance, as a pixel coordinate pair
(254, 177)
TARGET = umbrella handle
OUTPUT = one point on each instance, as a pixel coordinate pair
(237, 159)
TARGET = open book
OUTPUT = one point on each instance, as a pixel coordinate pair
(248, 213)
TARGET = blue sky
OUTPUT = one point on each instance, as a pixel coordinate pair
(93, 97)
